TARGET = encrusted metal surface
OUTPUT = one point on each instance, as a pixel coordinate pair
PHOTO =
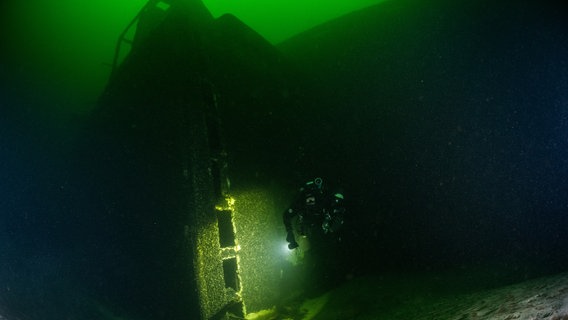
(257, 227)
(204, 230)
(209, 270)
(209, 255)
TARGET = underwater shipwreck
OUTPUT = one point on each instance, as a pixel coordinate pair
(445, 124)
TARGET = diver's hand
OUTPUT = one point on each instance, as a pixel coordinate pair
(292, 240)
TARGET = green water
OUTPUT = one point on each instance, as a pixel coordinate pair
(67, 46)
(445, 124)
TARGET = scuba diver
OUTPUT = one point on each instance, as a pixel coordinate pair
(316, 211)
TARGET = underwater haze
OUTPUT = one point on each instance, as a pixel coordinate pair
(444, 124)
(66, 48)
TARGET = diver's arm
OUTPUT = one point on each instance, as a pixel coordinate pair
(287, 217)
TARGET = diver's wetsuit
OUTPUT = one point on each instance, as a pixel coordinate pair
(315, 208)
